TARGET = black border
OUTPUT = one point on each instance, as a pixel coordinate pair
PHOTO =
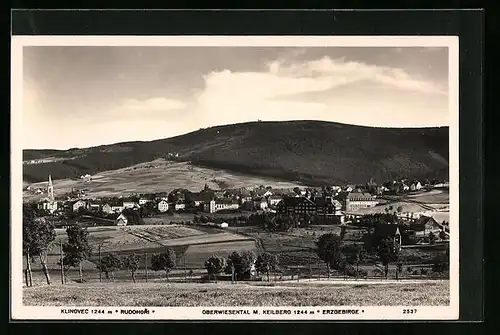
(468, 25)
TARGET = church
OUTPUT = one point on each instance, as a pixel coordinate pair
(48, 203)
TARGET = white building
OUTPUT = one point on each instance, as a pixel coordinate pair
(267, 194)
(50, 206)
(273, 200)
(163, 206)
(79, 204)
(220, 205)
(106, 208)
(117, 208)
(179, 205)
(357, 200)
(260, 204)
(130, 204)
(121, 220)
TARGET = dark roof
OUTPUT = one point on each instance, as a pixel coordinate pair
(226, 201)
(359, 196)
(200, 197)
(148, 196)
(322, 202)
(294, 201)
(423, 221)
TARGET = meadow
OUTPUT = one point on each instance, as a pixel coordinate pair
(161, 294)
(192, 246)
(156, 176)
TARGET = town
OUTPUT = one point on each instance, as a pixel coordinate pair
(186, 224)
(310, 205)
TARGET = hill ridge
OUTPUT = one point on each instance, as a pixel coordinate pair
(306, 150)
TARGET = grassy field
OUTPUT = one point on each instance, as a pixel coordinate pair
(157, 176)
(162, 294)
(177, 217)
(432, 197)
(192, 246)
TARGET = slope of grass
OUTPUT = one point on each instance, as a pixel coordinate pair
(223, 294)
(308, 151)
(164, 176)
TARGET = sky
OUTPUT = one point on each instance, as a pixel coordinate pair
(82, 96)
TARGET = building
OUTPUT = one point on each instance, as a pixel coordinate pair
(48, 205)
(357, 200)
(145, 199)
(130, 204)
(259, 203)
(199, 199)
(221, 205)
(349, 188)
(297, 206)
(117, 208)
(179, 204)
(327, 206)
(79, 204)
(121, 220)
(389, 231)
(425, 225)
(94, 206)
(273, 200)
(106, 208)
(163, 206)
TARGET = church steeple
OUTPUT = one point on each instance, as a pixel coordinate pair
(50, 189)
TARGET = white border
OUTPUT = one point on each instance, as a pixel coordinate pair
(20, 312)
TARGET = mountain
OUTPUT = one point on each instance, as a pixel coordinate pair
(312, 152)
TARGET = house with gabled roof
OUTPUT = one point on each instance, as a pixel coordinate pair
(163, 206)
(121, 220)
(79, 204)
(180, 204)
(106, 208)
(425, 225)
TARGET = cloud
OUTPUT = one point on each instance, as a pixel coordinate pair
(153, 104)
(278, 93)
(339, 72)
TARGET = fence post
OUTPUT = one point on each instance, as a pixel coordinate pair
(146, 267)
(62, 261)
(185, 273)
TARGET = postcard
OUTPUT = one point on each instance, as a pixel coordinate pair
(234, 178)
